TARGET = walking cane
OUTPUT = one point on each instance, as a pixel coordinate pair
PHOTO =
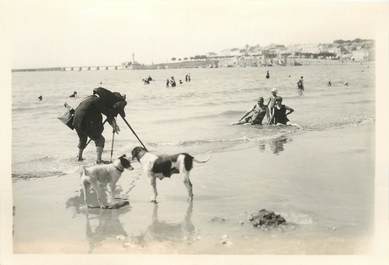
(129, 126)
(113, 140)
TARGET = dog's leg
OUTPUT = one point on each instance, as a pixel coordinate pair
(97, 188)
(188, 185)
(84, 189)
(153, 183)
(111, 191)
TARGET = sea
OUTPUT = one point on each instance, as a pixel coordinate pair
(197, 116)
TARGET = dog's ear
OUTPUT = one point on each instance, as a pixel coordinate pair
(135, 151)
(125, 163)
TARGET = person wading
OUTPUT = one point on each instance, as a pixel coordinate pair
(300, 86)
(88, 118)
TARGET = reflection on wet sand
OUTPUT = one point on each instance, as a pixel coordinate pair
(107, 226)
(275, 145)
(103, 224)
(161, 231)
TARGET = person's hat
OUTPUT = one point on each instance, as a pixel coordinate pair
(119, 96)
(274, 90)
(119, 107)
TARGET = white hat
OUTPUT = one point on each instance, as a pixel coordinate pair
(274, 90)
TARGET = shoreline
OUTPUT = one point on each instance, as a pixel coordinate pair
(327, 216)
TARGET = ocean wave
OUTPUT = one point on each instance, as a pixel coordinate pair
(200, 142)
(363, 101)
(341, 124)
(37, 175)
(228, 113)
(273, 133)
(42, 159)
(37, 106)
(267, 133)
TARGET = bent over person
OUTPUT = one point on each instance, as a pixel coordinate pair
(88, 118)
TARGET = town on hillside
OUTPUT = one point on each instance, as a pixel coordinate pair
(337, 52)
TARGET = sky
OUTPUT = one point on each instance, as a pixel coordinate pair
(48, 33)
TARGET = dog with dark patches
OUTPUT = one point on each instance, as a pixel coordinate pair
(103, 175)
(163, 166)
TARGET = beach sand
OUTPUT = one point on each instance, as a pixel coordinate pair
(322, 182)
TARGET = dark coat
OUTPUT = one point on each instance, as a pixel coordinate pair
(88, 118)
(110, 99)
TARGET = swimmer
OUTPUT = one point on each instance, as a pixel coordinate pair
(256, 114)
(272, 100)
(73, 95)
(281, 112)
(172, 81)
(300, 86)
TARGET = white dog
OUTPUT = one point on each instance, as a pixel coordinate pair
(164, 166)
(105, 175)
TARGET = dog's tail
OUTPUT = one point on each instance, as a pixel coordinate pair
(202, 161)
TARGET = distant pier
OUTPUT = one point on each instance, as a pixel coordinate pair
(73, 68)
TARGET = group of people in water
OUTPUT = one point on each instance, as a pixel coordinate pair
(147, 80)
(275, 112)
(171, 82)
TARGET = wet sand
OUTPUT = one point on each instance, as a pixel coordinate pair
(322, 182)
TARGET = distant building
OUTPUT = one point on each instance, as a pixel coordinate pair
(360, 55)
(228, 61)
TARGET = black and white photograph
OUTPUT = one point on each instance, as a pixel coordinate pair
(193, 127)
